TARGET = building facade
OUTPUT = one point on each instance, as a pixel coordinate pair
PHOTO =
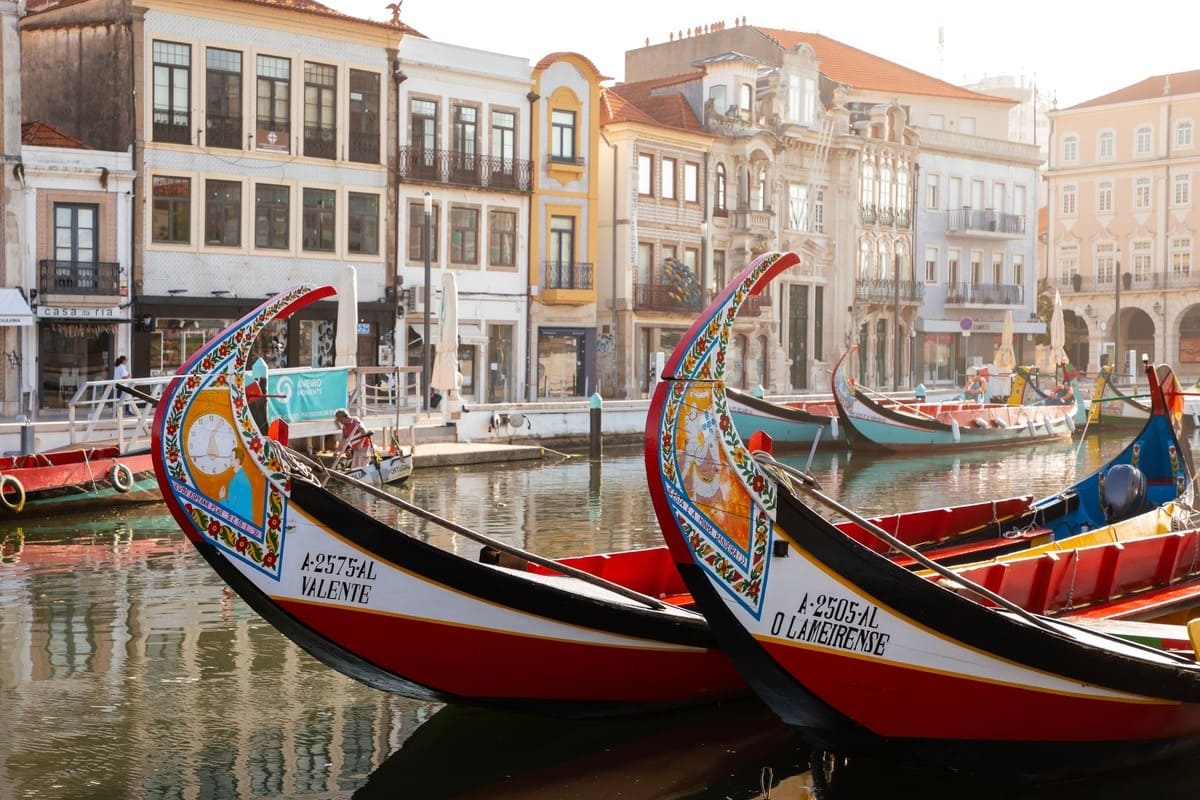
(1122, 224)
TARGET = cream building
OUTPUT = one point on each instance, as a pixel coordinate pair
(1122, 224)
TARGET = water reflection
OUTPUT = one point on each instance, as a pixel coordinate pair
(128, 670)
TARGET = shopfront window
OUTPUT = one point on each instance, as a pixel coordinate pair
(502, 379)
(71, 354)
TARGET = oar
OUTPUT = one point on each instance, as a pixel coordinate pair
(454, 527)
(901, 404)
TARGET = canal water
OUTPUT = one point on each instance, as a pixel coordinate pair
(127, 670)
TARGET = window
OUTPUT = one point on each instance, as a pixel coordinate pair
(797, 207)
(668, 252)
(273, 131)
(1142, 254)
(802, 93)
(937, 121)
(223, 213)
(1018, 269)
(719, 97)
(667, 190)
(1181, 257)
(1183, 189)
(998, 269)
(885, 267)
(1105, 148)
(932, 198)
(272, 210)
(320, 110)
(976, 267)
(1105, 263)
(645, 175)
(502, 238)
(362, 223)
(691, 259)
(818, 212)
(423, 139)
(645, 262)
(746, 102)
(691, 182)
(561, 272)
(320, 219)
(223, 97)
(966, 125)
(885, 185)
(867, 190)
(1141, 194)
(1068, 201)
(171, 216)
(866, 253)
(1183, 134)
(464, 236)
(172, 92)
(364, 117)
(931, 264)
(760, 192)
(504, 137)
(718, 265)
(1068, 261)
(465, 130)
(75, 236)
(416, 232)
(953, 260)
(1070, 149)
(1104, 197)
(719, 201)
(902, 197)
(562, 135)
(1142, 141)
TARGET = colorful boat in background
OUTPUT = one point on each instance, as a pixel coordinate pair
(862, 655)
(75, 479)
(799, 423)
(896, 426)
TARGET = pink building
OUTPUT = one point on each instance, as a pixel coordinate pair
(1123, 226)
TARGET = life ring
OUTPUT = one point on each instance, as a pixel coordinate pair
(121, 477)
(7, 481)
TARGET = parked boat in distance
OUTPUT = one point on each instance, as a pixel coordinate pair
(75, 479)
(797, 423)
(876, 422)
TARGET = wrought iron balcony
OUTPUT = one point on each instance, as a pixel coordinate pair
(886, 216)
(364, 148)
(566, 274)
(79, 277)
(223, 131)
(175, 129)
(985, 221)
(882, 290)
(988, 294)
(903, 219)
(868, 212)
(465, 169)
(320, 141)
(664, 297)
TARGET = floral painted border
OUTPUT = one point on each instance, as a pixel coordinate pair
(704, 361)
(223, 364)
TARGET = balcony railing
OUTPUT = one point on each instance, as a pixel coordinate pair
(571, 161)
(886, 216)
(988, 294)
(883, 290)
(903, 218)
(223, 131)
(1182, 279)
(465, 169)
(177, 132)
(754, 305)
(567, 274)
(985, 220)
(746, 220)
(364, 148)
(79, 277)
(869, 213)
(664, 297)
(320, 141)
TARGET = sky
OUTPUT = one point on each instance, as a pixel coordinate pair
(1072, 51)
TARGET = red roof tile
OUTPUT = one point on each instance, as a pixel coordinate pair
(654, 101)
(861, 70)
(40, 134)
(1174, 84)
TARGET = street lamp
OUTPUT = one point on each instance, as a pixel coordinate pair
(425, 372)
(1117, 319)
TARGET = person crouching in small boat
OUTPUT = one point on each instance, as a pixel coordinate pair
(976, 388)
(1064, 394)
(356, 441)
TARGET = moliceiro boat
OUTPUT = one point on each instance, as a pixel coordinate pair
(865, 655)
(881, 423)
(79, 479)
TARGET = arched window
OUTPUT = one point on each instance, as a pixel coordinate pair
(719, 195)
(761, 190)
(867, 194)
(865, 259)
(763, 361)
(885, 260)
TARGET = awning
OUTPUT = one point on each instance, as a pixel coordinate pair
(13, 309)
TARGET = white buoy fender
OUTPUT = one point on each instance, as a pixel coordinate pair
(121, 477)
(833, 427)
(954, 432)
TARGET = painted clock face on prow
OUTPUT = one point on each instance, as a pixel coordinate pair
(211, 442)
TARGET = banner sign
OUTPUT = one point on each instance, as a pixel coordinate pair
(307, 395)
